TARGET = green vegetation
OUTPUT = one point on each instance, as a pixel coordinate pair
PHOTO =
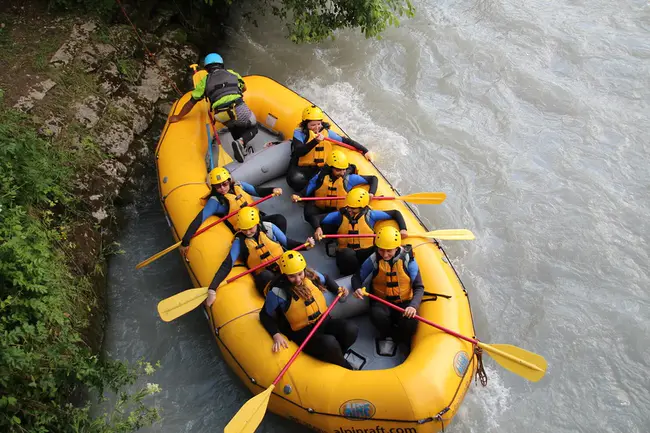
(45, 364)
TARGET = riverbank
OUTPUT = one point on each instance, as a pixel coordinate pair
(78, 98)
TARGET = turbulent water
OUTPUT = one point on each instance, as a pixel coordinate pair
(534, 118)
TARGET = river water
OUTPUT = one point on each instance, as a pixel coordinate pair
(533, 118)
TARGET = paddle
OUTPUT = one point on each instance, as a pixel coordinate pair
(158, 255)
(340, 143)
(252, 412)
(207, 130)
(185, 301)
(526, 364)
(447, 235)
(417, 198)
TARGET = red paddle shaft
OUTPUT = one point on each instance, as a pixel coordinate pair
(263, 264)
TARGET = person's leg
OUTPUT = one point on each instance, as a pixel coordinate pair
(312, 213)
(298, 177)
(279, 220)
(243, 129)
(380, 316)
(321, 346)
(405, 327)
(343, 330)
(346, 261)
(362, 255)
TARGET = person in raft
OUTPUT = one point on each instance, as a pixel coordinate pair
(227, 196)
(309, 147)
(255, 242)
(356, 218)
(391, 273)
(224, 89)
(335, 179)
(293, 305)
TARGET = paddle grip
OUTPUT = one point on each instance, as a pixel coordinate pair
(263, 264)
(255, 203)
(340, 143)
(422, 319)
(304, 343)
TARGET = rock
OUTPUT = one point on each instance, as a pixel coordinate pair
(124, 40)
(51, 127)
(114, 177)
(161, 19)
(175, 36)
(153, 84)
(138, 111)
(100, 214)
(164, 107)
(36, 93)
(79, 35)
(89, 111)
(93, 55)
(116, 139)
(109, 79)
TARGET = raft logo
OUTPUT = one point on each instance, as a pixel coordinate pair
(357, 409)
(378, 429)
(461, 361)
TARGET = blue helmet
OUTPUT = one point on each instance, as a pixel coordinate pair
(212, 58)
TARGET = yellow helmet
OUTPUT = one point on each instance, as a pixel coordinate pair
(388, 238)
(292, 262)
(337, 159)
(312, 113)
(357, 198)
(219, 175)
(248, 217)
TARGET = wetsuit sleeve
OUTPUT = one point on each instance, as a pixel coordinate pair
(332, 218)
(356, 180)
(360, 276)
(226, 265)
(256, 191)
(268, 313)
(199, 91)
(416, 284)
(311, 186)
(300, 148)
(282, 239)
(212, 207)
(380, 215)
(354, 144)
(328, 282)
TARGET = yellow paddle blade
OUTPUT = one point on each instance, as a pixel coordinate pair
(223, 158)
(251, 414)
(196, 78)
(526, 364)
(156, 256)
(424, 198)
(181, 303)
(448, 235)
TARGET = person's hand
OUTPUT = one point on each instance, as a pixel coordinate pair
(369, 156)
(295, 198)
(318, 234)
(279, 342)
(277, 191)
(212, 295)
(359, 293)
(371, 195)
(311, 242)
(175, 118)
(184, 250)
(343, 292)
(320, 136)
(409, 312)
(404, 234)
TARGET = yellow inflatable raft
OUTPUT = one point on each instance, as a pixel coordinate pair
(415, 392)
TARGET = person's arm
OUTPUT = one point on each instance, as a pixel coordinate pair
(226, 265)
(332, 218)
(300, 145)
(282, 239)
(371, 181)
(311, 186)
(383, 215)
(197, 94)
(416, 284)
(268, 313)
(328, 282)
(212, 207)
(360, 276)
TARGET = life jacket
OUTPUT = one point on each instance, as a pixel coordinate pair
(303, 312)
(236, 201)
(355, 226)
(328, 187)
(391, 281)
(220, 83)
(260, 248)
(316, 156)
